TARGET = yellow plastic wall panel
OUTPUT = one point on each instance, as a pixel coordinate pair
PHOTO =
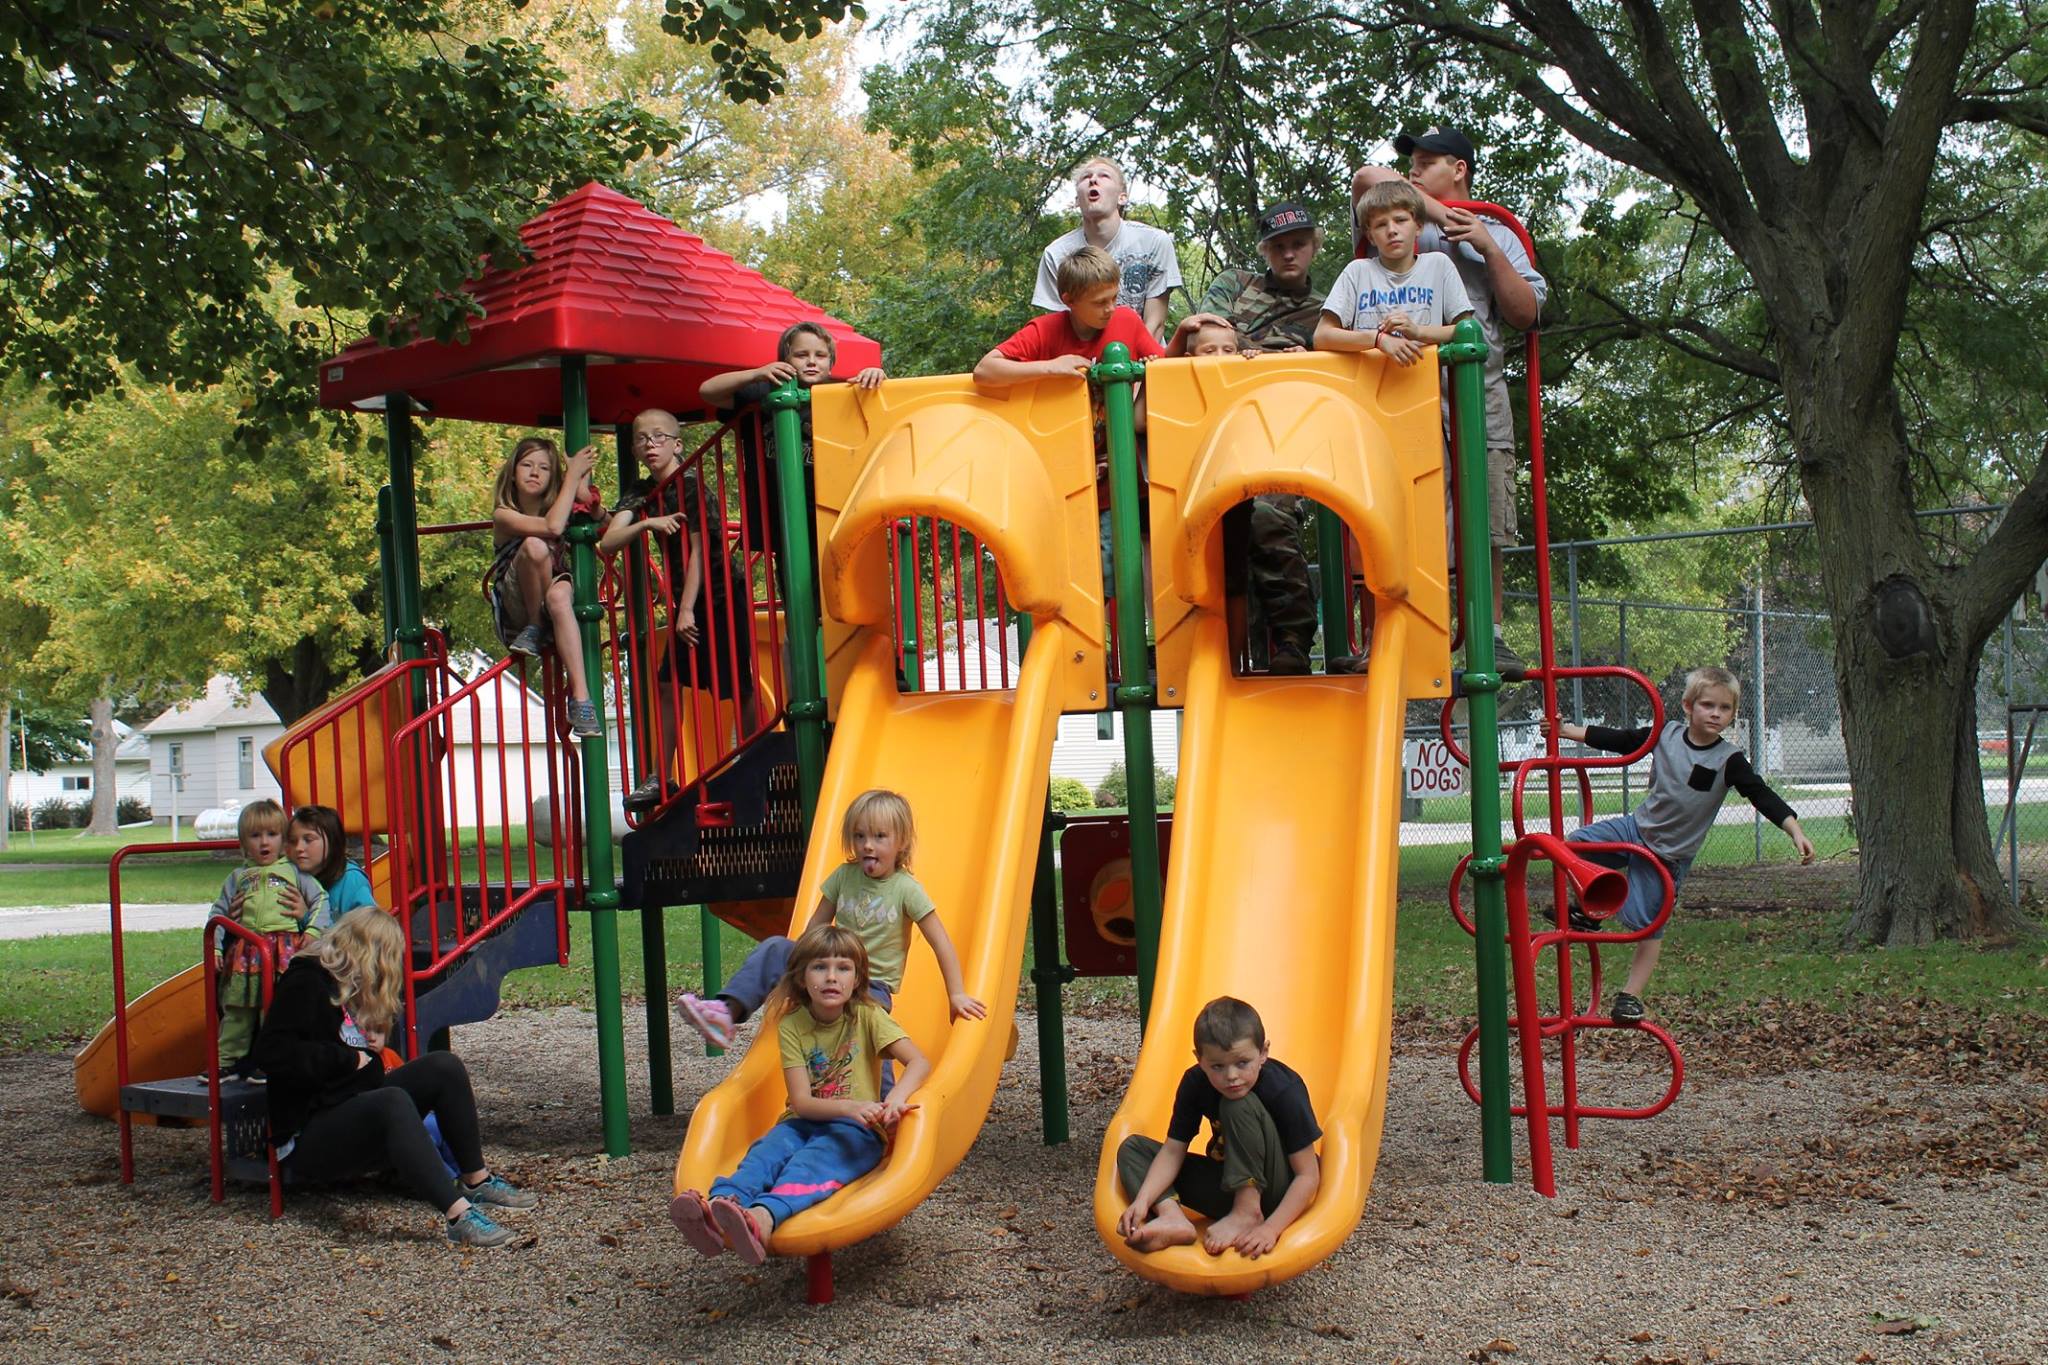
(1280, 891)
(341, 758)
(1357, 433)
(1015, 468)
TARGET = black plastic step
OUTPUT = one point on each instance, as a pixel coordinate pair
(185, 1097)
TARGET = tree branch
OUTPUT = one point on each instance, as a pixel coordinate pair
(1711, 345)
(2029, 116)
(1746, 106)
(1989, 584)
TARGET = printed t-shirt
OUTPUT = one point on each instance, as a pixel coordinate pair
(843, 1057)
(880, 910)
(1143, 253)
(1429, 292)
(1283, 1093)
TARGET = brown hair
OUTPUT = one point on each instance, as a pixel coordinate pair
(816, 329)
(325, 820)
(506, 493)
(1385, 197)
(1227, 1021)
(827, 940)
(889, 811)
(365, 954)
(1700, 679)
(1088, 268)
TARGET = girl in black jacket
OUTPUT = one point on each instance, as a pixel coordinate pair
(335, 1113)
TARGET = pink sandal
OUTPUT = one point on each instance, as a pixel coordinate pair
(740, 1233)
(712, 1018)
(692, 1217)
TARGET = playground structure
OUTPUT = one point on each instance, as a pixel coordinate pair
(932, 501)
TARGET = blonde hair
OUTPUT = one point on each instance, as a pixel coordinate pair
(365, 954)
(1385, 197)
(887, 811)
(1110, 162)
(1088, 268)
(827, 940)
(259, 817)
(1700, 679)
(1238, 340)
(506, 493)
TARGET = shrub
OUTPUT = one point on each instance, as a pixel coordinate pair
(131, 810)
(1071, 794)
(1115, 789)
(17, 815)
(57, 813)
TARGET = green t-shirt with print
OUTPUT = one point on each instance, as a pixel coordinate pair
(842, 1058)
(880, 910)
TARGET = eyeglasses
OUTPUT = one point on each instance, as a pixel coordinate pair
(648, 438)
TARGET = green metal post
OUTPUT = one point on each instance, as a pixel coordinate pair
(708, 927)
(405, 530)
(653, 918)
(806, 705)
(909, 668)
(1481, 684)
(602, 897)
(1118, 374)
(1048, 973)
(1336, 604)
(387, 567)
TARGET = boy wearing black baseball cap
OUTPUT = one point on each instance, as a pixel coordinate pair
(1506, 292)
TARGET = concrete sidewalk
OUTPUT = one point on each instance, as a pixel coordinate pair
(39, 921)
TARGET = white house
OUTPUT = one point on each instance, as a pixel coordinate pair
(71, 782)
(216, 744)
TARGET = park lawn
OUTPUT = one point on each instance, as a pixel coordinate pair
(186, 880)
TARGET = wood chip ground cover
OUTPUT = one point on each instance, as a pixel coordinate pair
(1871, 1198)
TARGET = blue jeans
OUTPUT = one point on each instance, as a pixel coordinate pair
(1645, 887)
(801, 1162)
(755, 981)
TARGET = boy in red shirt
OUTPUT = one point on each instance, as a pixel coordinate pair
(1069, 342)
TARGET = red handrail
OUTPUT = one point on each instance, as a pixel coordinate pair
(221, 924)
(663, 696)
(121, 855)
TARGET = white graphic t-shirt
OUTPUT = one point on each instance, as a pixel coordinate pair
(1145, 253)
(1429, 292)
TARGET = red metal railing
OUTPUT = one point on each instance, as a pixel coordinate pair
(1524, 949)
(686, 709)
(123, 1073)
(462, 778)
(951, 615)
(218, 928)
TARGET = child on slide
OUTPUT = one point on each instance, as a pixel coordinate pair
(833, 1037)
(873, 894)
(1267, 1172)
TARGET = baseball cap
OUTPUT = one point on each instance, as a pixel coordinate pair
(1283, 218)
(1444, 141)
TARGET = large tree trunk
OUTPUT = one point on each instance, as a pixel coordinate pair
(104, 774)
(1908, 642)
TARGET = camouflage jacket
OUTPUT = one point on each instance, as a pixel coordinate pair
(1259, 309)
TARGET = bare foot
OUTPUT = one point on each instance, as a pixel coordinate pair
(1168, 1228)
(1228, 1229)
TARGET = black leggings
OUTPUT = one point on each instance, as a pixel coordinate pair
(382, 1130)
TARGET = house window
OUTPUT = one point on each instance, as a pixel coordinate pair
(245, 761)
(78, 782)
(177, 760)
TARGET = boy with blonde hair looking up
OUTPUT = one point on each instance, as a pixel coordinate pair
(1148, 265)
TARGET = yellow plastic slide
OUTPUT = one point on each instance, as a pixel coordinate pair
(1282, 882)
(1016, 472)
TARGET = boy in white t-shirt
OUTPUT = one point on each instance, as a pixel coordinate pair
(1145, 255)
(1397, 302)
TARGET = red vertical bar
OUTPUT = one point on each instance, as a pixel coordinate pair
(960, 617)
(917, 611)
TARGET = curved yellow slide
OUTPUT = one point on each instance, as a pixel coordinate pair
(1282, 883)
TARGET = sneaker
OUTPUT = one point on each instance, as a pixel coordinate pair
(712, 1018)
(1349, 664)
(583, 721)
(647, 795)
(528, 642)
(474, 1229)
(1511, 666)
(1287, 662)
(1626, 1009)
(1581, 922)
(500, 1193)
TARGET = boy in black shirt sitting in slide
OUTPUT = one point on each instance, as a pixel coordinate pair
(1267, 1170)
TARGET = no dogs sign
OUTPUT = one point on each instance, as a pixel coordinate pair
(1428, 768)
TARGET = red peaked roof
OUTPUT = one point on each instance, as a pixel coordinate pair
(656, 311)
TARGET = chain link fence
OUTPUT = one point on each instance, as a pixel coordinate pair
(1749, 599)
